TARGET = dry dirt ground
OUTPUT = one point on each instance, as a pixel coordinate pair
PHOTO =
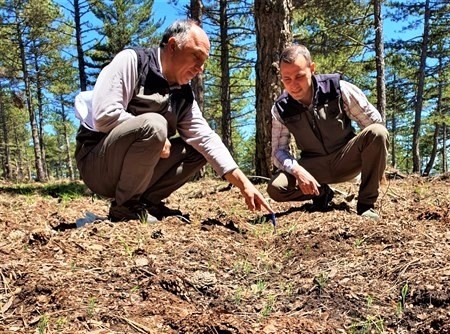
(225, 270)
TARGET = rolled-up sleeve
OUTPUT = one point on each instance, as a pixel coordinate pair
(357, 106)
(281, 137)
(195, 130)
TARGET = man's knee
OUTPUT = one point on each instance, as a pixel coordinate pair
(378, 131)
(275, 191)
(153, 126)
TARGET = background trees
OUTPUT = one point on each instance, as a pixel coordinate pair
(49, 50)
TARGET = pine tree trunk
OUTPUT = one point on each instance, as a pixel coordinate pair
(444, 148)
(40, 174)
(420, 90)
(65, 133)
(434, 151)
(41, 119)
(437, 128)
(196, 13)
(6, 165)
(394, 126)
(393, 143)
(198, 85)
(225, 73)
(20, 174)
(79, 43)
(379, 50)
(273, 34)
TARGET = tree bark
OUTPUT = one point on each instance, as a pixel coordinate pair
(434, 151)
(273, 34)
(41, 123)
(225, 72)
(196, 13)
(379, 51)
(444, 148)
(40, 174)
(6, 162)
(79, 45)
(198, 85)
(65, 134)
(420, 90)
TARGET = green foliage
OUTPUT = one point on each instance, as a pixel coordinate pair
(269, 305)
(403, 61)
(66, 190)
(241, 84)
(118, 31)
(372, 324)
(339, 34)
(319, 25)
(36, 64)
(43, 324)
(245, 154)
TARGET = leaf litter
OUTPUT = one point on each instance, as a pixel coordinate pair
(225, 269)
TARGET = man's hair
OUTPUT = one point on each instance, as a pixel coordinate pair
(178, 29)
(291, 53)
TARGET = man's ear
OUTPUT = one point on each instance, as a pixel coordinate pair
(312, 67)
(172, 44)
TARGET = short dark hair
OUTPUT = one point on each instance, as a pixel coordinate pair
(290, 54)
(178, 29)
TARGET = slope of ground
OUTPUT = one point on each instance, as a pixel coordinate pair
(223, 269)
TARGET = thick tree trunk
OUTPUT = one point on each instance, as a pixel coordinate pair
(273, 34)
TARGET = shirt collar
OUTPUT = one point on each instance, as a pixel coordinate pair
(162, 72)
(159, 60)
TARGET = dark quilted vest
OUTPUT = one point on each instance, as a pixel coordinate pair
(153, 93)
(322, 129)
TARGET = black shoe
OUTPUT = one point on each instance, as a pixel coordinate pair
(130, 210)
(160, 210)
(322, 202)
(367, 210)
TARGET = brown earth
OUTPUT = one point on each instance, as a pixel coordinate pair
(226, 271)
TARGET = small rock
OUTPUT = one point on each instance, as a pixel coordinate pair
(141, 262)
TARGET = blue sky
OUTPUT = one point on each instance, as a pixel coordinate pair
(164, 9)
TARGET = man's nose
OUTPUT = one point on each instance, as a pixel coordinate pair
(200, 67)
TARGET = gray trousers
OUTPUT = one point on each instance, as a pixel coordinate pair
(366, 154)
(126, 165)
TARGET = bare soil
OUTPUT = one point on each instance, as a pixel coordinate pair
(223, 269)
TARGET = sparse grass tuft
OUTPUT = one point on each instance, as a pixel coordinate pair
(371, 325)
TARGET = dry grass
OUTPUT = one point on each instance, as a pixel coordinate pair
(226, 271)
